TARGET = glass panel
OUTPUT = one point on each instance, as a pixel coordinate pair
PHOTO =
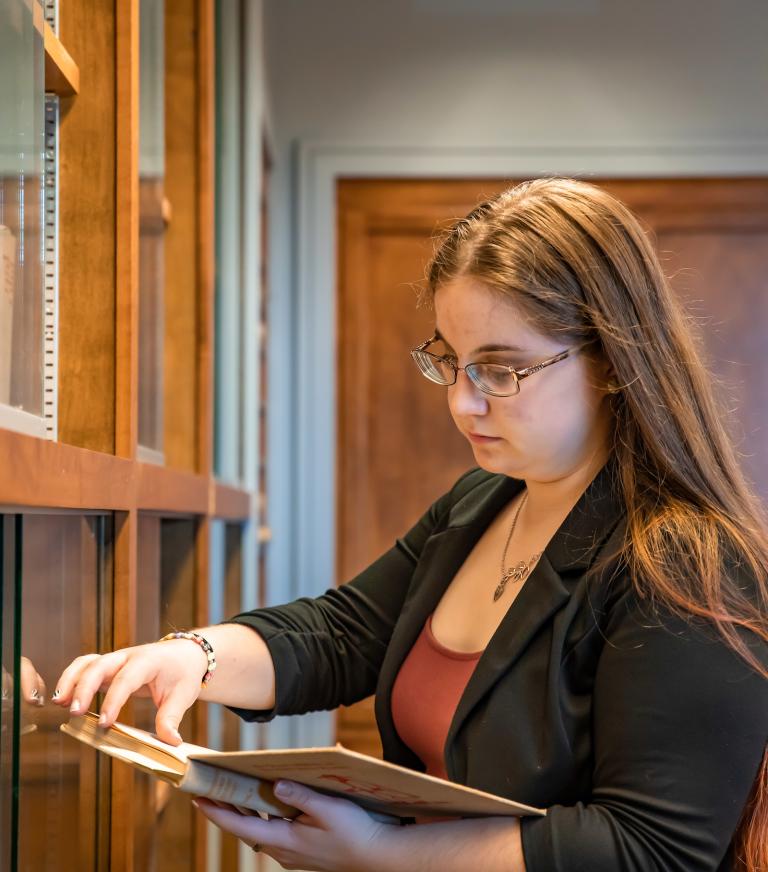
(225, 597)
(56, 815)
(165, 834)
(148, 791)
(177, 611)
(9, 705)
(22, 146)
(151, 221)
(228, 375)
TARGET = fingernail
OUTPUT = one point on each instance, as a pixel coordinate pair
(102, 719)
(56, 694)
(75, 707)
(283, 788)
(195, 803)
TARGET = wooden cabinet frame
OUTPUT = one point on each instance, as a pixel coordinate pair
(93, 64)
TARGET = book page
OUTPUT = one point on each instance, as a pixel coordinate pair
(132, 745)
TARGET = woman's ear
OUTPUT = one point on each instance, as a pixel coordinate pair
(605, 376)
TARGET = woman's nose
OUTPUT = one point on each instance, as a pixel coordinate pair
(465, 398)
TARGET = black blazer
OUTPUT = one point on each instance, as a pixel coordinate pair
(640, 733)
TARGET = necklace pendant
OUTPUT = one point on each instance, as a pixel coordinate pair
(499, 589)
(516, 573)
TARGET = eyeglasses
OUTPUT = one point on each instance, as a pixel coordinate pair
(495, 379)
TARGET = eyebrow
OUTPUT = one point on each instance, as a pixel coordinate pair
(483, 348)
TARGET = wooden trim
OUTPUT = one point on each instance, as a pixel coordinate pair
(204, 350)
(127, 229)
(202, 617)
(123, 805)
(87, 225)
(62, 75)
(58, 476)
(206, 121)
(52, 475)
(181, 285)
(171, 491)
(231, 503)
(124, 812)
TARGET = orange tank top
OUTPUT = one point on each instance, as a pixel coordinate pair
(425, 695)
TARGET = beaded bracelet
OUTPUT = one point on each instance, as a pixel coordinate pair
(204, 644)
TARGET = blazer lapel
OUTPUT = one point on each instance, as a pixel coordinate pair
(443, 554)
(567, 556)
(572, 549)
(542, 594)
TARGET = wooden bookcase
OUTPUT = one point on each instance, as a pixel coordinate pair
(156, 519)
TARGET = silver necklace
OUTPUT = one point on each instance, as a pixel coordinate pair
(520, 570)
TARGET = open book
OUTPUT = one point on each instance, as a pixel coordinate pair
(244, 778)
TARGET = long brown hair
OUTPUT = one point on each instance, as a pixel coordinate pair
(581, 266)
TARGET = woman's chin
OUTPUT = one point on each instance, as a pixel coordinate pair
(499, 463)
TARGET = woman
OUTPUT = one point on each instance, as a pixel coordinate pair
(578, 624)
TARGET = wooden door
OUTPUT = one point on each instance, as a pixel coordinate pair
(398, 448)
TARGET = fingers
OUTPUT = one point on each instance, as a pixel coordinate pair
(309, 801)
(32, 684)
(132, 674)
(172, 710)
(137, 670)
(250, 828)
(69, 678)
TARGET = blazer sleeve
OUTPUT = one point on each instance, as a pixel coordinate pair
(680, 724)
(327, 650)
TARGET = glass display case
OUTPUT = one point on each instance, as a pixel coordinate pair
(164, 838)
(54, 792)
(153, 214)
(22, 190)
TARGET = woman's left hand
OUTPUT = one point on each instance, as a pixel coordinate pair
(331, 834)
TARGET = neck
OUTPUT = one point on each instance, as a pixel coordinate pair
(554, 498)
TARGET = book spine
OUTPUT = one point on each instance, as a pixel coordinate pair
(237, 789)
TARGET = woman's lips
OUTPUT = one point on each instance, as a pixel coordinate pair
(474, 437)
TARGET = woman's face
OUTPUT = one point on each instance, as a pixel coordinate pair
(560, 419)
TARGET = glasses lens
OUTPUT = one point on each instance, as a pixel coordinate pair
(494, 379)
(434, 368)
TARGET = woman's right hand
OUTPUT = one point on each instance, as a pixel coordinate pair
(170, 672)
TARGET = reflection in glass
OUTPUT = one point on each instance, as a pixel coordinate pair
(55, 792)
(151, 223)
(22, 146)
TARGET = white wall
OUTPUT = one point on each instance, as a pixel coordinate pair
(497, 72)
(410, 86)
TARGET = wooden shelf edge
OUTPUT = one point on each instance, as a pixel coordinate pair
(231, 503)
(171, 491)
(51, 475)
(39, 474)
(62, 75)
